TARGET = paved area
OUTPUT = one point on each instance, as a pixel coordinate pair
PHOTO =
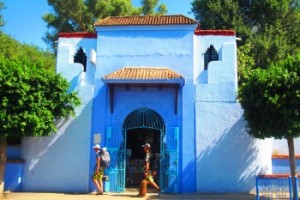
(132, 195)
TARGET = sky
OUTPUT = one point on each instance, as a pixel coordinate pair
(24, 18)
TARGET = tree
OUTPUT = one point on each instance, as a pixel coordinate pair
(31, 100)
(270, 29)
(148, 8)
(271, 102)
(218, 14)
(14, 50)
(80, 15)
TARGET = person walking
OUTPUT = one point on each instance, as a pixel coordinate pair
(98, 170)
(148, 173)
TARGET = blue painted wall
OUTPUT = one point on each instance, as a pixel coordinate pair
(282, 166)
(159, 46)
(13, 179)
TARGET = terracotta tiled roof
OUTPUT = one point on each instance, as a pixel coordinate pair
(145, 20)
(143, 73)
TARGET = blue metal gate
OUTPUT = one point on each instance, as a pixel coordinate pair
(275, 186)
(169, 161)
(116, 147)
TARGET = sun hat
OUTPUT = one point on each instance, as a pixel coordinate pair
(147, 145)
(96, 146)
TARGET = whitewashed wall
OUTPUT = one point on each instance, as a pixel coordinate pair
(61, 161)
(281, 147)
(228, 159)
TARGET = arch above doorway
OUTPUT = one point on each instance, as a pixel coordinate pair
(144, 118)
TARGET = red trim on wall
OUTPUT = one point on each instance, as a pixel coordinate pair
(276, 175)
(273, 175)
(215, 32)
(77, 35)
(283, 156)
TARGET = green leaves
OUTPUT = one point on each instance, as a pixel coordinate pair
(31, 99)
(32, 55)
(271, 100)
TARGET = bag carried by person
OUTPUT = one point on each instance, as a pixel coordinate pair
(105, 157)
(105, 178)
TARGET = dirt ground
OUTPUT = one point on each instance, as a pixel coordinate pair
(122, 196)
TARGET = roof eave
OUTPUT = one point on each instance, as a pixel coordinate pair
(147, 27)
(180, 81)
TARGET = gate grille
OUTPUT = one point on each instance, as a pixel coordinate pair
(144, 118)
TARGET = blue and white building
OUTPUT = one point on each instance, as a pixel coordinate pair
(155, 79)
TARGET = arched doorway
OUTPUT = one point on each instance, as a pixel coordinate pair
(141, 126)
(148, 125)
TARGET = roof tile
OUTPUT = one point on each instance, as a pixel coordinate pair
(145, 20)
(143, 73)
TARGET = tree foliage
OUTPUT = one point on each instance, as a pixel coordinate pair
(269, 28)
(271, 100)
(149, 6)
(13, 50)
(80, 15)
(31, 99)
(218, 14)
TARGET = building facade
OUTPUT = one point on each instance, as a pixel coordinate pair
(155, 79)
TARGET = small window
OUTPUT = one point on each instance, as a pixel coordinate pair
(210, 55)
(80, 57)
